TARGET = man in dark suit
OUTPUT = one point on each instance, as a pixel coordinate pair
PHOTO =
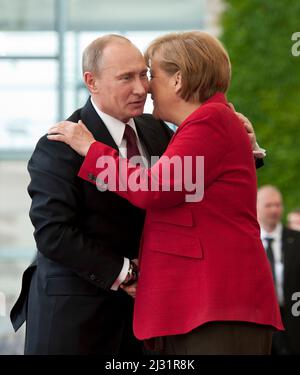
(72, 297)
(283, 250)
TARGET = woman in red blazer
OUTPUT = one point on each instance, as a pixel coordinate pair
(205, 284)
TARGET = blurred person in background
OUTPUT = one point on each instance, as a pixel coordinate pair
(283, 250)
(293, 219)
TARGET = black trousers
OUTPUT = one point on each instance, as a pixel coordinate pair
(280, 342)
(219, 338)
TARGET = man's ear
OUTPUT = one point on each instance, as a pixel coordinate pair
(177, 82)
(90, 81)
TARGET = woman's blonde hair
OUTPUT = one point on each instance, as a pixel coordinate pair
(200, 58)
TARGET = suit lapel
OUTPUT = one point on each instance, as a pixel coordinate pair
(95, 125)
(287, 245)
(147, 135)
(150, 138)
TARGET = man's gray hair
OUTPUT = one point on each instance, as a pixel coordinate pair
(91, 57)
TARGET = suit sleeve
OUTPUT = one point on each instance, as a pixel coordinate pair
(259, 163)
(55, 215)
(201, 141)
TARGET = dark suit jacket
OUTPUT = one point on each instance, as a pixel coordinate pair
(82, 236)
(291, 285)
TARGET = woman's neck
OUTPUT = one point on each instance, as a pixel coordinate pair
(183, 110)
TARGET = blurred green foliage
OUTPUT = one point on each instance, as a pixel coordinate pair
(266, 84)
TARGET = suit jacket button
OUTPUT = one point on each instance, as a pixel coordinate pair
(91, 177)
(92, 277)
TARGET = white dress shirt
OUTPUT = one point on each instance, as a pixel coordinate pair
(276, 234)
(116, 129)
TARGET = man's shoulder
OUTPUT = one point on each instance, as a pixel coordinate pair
(147, 116)
(149, 119)
(44, 141)
(153, 124)
(291, 236)
(53, 155)
(55, 150)
(75, 116)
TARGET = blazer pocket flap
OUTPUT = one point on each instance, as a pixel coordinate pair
(175, 244)
(69, 286)
(176, 215)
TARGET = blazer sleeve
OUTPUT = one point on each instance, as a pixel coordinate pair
(56, 215)
(198, 140)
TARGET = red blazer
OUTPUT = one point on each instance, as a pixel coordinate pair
(200, 261)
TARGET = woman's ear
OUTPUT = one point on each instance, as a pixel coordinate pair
(177, 82)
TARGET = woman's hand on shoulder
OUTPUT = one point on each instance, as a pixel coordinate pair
(76, 135)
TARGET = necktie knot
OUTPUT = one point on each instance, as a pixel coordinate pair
(269, 240)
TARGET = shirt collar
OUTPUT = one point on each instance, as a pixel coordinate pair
(114, 126)
(275, 234)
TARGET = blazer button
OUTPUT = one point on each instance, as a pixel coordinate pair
(91, 177)
(92, 277)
